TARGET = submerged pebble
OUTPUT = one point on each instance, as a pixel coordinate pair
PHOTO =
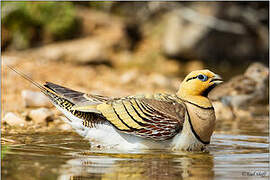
(13, 120)
(41, 115)
(35, 99)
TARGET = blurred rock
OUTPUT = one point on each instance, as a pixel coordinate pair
(64, 126)
(222, 112)
(184, 30)
(35, 99)
(217, 31)
(41, 115)
(85, 50)
(13, 120)
(79, 51)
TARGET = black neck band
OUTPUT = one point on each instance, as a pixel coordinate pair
(193, 131)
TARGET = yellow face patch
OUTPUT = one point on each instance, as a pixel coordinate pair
(196, 83)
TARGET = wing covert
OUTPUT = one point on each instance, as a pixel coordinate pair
(148, 118)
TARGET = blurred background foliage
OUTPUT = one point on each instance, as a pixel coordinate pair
(30, 22)
(217, 34)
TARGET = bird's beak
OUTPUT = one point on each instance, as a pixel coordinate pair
(216, 79)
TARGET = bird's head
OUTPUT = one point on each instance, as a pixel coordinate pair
(198, 83)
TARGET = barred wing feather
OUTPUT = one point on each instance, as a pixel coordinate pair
(156, 117)
(148, 118)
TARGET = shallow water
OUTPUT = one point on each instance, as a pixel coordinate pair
(236, 152)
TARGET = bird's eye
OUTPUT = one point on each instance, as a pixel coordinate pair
(202, 77)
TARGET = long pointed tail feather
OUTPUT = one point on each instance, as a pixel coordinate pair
(29, 79)
(48, 92)
(63, 99)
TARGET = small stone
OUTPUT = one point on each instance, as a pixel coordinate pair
(35, 99)
(129, 76)
(13, 120)
(65, 127)
(41, 115)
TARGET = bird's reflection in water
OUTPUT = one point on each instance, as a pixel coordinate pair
(140, 166)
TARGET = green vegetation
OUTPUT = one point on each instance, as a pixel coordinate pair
(31, 22)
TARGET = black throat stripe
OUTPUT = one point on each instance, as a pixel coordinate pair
(193, 131)
(207, 108)
(206, 92)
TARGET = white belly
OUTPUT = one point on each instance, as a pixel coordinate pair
(106, 136)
